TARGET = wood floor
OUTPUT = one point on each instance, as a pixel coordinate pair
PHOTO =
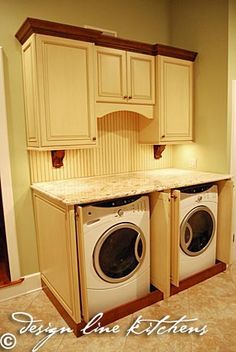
(4, 274)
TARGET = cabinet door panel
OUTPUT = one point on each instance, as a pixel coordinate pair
(175, 99)
(65, 75)
(30, 94)
(141, 78)
(172, 122)
(224, 223)
(160, 241)
(54, 251)
(82, 263)
(175, 237)
(57, 249)
(111, 75)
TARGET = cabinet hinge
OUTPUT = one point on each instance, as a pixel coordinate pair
(173, 196)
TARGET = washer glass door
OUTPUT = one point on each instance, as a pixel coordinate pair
(197, 231)
(119, 252)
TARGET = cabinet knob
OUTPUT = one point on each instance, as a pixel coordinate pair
(130, 97)
(94, 138)
(125, 97)
(163, 136)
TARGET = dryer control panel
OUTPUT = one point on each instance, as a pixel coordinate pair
(196, 189)
(199, 193)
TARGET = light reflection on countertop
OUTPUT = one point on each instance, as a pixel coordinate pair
(96, 188)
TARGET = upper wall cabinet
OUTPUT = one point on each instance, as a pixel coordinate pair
(172, 121)
(124, 81)
(59, 92)
(124, 77)
(153, 80)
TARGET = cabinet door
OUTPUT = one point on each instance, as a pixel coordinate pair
(141, 78)
(175, 99)
(30, 93)
(110, 74)
(224, 224)
(65, 77)
(160, 220)
(82, 263)
(175, 237)
(57, 249)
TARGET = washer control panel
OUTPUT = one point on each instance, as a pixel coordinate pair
(116, 208)
(116, 202)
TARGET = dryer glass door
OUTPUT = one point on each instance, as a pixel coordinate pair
(197, 231)
(119, 252)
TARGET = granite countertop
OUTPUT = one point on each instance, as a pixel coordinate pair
(92, 189)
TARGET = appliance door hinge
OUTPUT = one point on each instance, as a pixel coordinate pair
(76, 213)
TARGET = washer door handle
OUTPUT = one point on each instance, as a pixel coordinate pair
(136, 248)
(190, 235)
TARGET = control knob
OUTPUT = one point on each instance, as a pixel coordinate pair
(120, 212)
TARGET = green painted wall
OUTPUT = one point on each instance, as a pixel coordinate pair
(205, 26)
(143, 20)
(202, 26)
(231, 69)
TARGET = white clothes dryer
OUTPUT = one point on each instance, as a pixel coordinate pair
(198, 224)
(117, 252)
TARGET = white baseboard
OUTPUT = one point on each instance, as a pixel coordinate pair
(31, 283)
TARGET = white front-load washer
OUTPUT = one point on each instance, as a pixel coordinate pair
(198, 224)
(117, 252)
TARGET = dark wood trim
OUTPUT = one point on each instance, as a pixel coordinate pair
(109, 316)
(158, 150)
(33, 25)
(125, 44)
(11, 283)
(131, 307)
(5, 276)
(171, 51)
(199, 277)
(72, 324)
(4, 273)
(57, 158)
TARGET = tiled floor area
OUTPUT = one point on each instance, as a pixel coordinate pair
(213, 302)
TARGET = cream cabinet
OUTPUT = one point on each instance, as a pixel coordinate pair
(160, 240)
(165, 234)
(173, 115)
(57, 250)
(60, 240)
(124, 77)
(224, 236)
(110, 72)
(59, 92)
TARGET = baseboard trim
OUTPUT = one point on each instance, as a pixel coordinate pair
(199, 277)
(76, 327)
(109, 316)
(30, 283)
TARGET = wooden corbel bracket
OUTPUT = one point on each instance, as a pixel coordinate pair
(158, 150)
(57, 158)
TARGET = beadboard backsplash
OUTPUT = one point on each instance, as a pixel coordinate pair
(118, 151)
